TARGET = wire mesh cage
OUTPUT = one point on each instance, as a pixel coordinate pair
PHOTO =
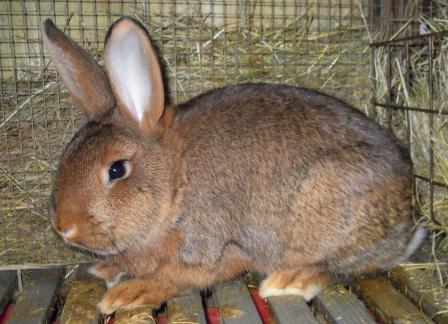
(321, 44)
(409, 97)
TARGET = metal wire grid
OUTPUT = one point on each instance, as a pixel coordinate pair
(390, 16)
(204, 44)
(428, 147)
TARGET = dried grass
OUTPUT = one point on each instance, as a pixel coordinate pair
(413, 127)
(138, 315)
(38, 118)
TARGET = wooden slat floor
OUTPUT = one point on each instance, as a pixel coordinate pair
(404, 295)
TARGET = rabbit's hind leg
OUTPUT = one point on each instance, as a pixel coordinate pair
(304, 283)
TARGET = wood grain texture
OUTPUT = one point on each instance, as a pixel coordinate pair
(38, 296)
(387, 302)
(8, 285)
(341, 306)
(424, 290)
(235, 304)
(186, 309)
(291, 310)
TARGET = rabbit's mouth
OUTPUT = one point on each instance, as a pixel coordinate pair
(96, 251)
(75, 228)
(70, 235)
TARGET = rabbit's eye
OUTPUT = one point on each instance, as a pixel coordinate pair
(118, 170)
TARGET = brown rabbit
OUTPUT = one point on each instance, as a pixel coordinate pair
(283, 180)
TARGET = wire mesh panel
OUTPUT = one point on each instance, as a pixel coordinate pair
(410, 97)
(321, 44)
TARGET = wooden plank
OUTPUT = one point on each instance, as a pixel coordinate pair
(8, 285)
(424, 290)
(291, 310)
(387, 302)
(80, 272)
(136, 315)
(84, 293)
(341, 306)
(38, 296)
(186, 309)
(82, 300)
(235, 304)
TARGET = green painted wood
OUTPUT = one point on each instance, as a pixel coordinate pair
(291, 310)
(8, 285)
(424, 290)
(235, 304)
(341, 306)
(388, 303)
(38, 296)
(186, 309)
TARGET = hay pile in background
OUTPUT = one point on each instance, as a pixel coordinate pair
(302, 49)
(413, 127)
(202, 47)
(29, 158)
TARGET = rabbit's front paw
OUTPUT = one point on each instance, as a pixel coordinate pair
(128, 295)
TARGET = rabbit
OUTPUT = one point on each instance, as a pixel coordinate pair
(274, 178)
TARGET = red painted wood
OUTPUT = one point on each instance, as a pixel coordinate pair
(4, 317)
(212, 315)
(262, 307)
(162, 318)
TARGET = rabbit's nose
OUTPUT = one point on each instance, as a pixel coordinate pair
(66, 225)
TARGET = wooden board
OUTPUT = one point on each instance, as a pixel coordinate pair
(424, 290)
(234, 301)
(387, 302)
(82, 300)
(235, 304)
(186, 309)
(8, 285)
(341, 306)
(291, 310)
(38, 296)
(81, 272)
(137, 315)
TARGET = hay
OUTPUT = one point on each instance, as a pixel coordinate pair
(413, 127)
(200, 56)
(137, 315)
(137, 319)
(27, 172)
(38, 117)
(82, 300)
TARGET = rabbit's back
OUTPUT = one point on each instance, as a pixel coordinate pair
(268, 112)
(281, 170)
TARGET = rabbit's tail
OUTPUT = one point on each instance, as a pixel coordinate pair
(415, 242)
(384, 254)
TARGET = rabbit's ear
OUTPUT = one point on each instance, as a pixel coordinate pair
(135, 74)
(85, 80)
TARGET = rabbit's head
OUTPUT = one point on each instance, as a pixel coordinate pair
(115, 183)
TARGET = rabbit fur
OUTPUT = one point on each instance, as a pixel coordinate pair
(275, 178)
